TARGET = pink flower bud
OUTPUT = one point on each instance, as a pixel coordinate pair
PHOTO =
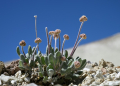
(83, 36)
(83, 18)
(77, 64)
(63, 59)
(22, 43)
(38, 40)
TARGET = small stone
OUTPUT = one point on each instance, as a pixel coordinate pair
(1, 66)
(118, 76)
(27, 79)
(102, 63)
(11, 65)
(32, 84)
(104, 71)
(13, 82)
(0, 82)
(5, 73)
(5, 85)
(110, 64)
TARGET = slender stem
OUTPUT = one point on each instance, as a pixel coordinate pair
(60, 67)
(77, 38)
(63, 45)
(55, 42)
(76, 46)
(34, 51)
(59, 43)
(38, 46)
(35, 27)
(23, 51)
(47, 39)
(51, 39)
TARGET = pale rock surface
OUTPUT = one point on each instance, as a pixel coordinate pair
(107, 49)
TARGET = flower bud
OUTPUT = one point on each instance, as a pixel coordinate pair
(83, 36)
(38, 40)
(51, 32)
(57, 31)
(35, 16)
(83, 18)
(63, 58)
(22, 43)
(56, 36)
(66, 37)
(77, 64)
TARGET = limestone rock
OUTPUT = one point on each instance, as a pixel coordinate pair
(1, 66)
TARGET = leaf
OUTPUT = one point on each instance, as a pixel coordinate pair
(46, 60)
(68, 77)
(32, 63)
(83, 64)
(20, 63)
(29, 50)
(65, 71)
(33, 49)
(40, 68)
(70, 62)
(18, 50)
(37, 58)
(79, 72)
(57, 57)
(51, 58)
(45, 78)
(41, 75)
(66, 53)
(56, 49)
(22, 57)
(42, 60)
(52, 50)
(28, 56)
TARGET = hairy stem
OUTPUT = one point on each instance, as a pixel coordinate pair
(35, 27)
(59, 43)
(47, 40)
(51, 39)
(63, 45)
(77, 38)
(55, 42)
(23, 51)
(34, 52)
(76, 46)
(38, 46)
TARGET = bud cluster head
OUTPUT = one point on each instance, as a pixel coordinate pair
(83, 36)
(22, 43)
(77, 64)
(51, 32)
(57, 31)
(83, 18)
(56, 36)
(66, 37)
(63, 58)
(38, 40)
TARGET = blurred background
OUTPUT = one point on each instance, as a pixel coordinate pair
(17, 23)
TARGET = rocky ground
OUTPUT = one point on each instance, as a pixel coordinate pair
(96, 74)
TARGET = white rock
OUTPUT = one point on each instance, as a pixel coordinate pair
(86, 69)
(31, 84)
(99, 74)
(4, 78)
(13, 82)
(23, 76)
(118, 76)
(27, 79)
(0, 82)
(57, 85)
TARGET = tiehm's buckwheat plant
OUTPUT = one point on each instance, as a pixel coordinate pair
(55, 66)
